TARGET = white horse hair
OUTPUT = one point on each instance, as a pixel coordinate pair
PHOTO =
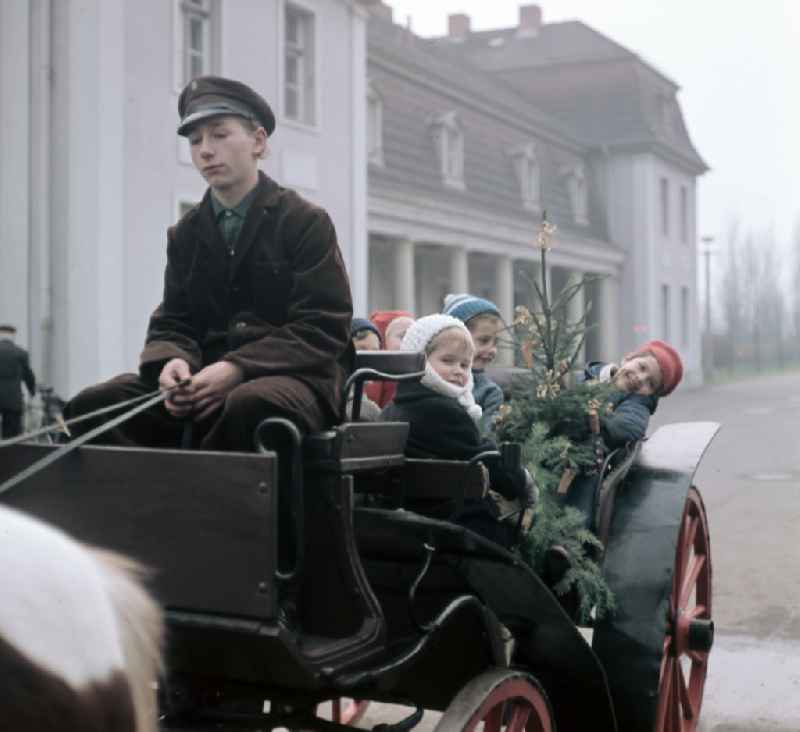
(80, 638)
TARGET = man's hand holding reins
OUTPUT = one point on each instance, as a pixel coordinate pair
(211, 385)
(180, 402)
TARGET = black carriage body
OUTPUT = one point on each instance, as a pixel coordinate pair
(346, 624)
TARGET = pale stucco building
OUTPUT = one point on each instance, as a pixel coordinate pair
(434, 157)
(472, 136)
(93, 172)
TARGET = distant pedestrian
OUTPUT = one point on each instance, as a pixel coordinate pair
(15, 369)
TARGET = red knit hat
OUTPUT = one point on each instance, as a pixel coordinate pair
(668, 361)
(382, 318)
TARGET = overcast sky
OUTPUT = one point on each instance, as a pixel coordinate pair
(738, 67)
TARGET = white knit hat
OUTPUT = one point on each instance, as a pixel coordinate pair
(417, 338)
(424, 330)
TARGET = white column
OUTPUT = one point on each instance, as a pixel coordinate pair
(404, 286)
(504, 287)
(459, 270)
(359, 252)
(15, 138)
(575, 310)
(40, 284)
(89, 198)
(609, 318)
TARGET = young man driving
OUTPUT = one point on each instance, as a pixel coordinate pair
(256, 307)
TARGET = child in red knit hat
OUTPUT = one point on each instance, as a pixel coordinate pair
(651, 371)
(392, 325)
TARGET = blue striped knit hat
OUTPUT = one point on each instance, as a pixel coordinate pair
(465, 306)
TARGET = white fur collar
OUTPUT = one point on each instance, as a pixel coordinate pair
(463, 394)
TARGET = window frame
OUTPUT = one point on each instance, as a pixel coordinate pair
(208, 12)
(374, 126)
(529, 175)
(448, 138)
(578, 191)
(666, 312)
(686, 321)
(664, 204)
(683, 209)
(308, 91)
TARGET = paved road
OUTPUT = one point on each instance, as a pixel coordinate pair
(750, 481)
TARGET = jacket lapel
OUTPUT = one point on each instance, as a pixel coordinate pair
(257, 216)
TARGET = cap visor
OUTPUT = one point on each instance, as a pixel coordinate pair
(192, 119)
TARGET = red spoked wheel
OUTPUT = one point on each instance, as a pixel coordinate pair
(499, 698)
(690, 628)
(347, 711)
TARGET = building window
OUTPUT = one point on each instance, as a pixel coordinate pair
(664, 196)
(526, 168)
(448, 138)
(374, 127)
(575, 177)
(196, 39)
(665, 312)
(299, 78)
(685, 316)
(684, 213)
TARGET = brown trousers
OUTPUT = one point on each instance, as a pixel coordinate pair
(230, 428)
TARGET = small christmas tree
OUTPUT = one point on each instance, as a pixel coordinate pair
(557, 425)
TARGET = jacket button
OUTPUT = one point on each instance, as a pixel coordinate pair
(241, 324)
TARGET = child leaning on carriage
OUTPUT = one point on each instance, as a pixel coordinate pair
(443, 420)
(650, 372)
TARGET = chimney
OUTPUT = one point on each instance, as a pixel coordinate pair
(530, 20)
(379, 9)
(458, 26)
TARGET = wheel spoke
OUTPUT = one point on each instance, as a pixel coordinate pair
(686, 702)
(519, 718)
(690, 579)
(697, 611)
(675, 706)
(494, 719)
(699, 657)
(692, 533)
(664, 694)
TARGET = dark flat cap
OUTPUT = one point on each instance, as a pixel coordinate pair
(5, 328)
(210, 96)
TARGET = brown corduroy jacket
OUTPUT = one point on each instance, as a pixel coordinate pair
(280, 305)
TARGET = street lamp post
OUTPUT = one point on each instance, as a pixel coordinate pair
(707, 343)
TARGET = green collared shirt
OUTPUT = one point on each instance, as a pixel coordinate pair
(231, 220)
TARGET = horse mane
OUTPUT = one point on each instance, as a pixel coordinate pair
(141, 631)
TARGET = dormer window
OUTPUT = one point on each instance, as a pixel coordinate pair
(575, 178)
(374, 127)
(448, 139)
(526, 168)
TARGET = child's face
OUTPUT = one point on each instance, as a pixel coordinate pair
(639, 375)
(366, 340)
(451, 357)
(395, 332)
(484, 335)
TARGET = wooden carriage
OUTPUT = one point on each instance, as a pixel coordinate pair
(300, 574)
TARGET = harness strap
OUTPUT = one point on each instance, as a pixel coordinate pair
(70, 446)
(62, 426)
